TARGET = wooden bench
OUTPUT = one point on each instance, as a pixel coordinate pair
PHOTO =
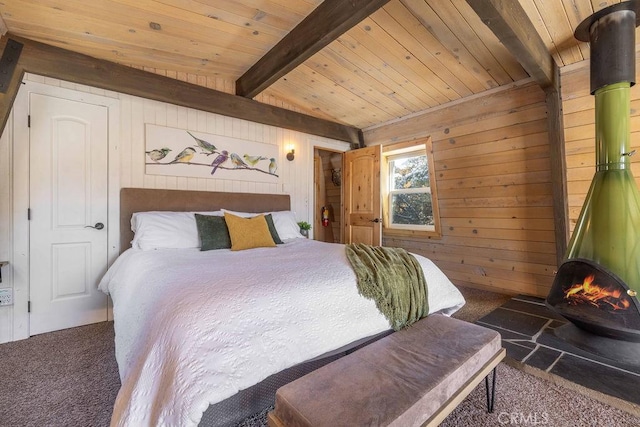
(412, 377)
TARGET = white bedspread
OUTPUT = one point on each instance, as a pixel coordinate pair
(193, 328)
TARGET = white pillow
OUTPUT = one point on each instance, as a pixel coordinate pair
(284, 221)
(286, 225)
(158, 229)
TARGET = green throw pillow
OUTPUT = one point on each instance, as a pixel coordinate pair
(213, 232)
(272, 229)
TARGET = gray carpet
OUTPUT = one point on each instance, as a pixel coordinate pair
(63, 378)
(70, 378)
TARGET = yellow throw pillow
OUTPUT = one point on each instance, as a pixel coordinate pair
(248, 233)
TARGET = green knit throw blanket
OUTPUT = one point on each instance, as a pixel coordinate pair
(394, 279)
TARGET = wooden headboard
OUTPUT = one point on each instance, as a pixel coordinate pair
(147, 199)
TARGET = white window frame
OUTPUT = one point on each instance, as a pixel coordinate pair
(398, 151)
(392, 192)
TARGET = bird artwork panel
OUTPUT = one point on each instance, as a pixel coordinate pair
(179, 152)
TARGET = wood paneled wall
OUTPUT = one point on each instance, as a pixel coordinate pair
(6, 233)
(579, 123)
(492, 164)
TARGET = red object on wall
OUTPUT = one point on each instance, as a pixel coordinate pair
(325, 216)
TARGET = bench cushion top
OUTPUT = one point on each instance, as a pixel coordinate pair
(401, 379)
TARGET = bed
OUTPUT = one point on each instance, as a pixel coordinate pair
(206, 337)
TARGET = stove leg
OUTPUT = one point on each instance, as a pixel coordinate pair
(491, 391)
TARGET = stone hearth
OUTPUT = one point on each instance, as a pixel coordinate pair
(527, 329)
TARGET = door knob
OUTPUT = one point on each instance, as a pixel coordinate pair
(375, 220)
(98, 226)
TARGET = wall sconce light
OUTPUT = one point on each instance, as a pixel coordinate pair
(291, 153)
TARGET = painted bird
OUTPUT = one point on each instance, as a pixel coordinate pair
(158, 154)
(185, 156)
(219, 160)
(207, 148)
(237, 161)
(273, 166)
(253, 160)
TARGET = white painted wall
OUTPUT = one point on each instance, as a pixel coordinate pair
(6, 241)
(296, 177)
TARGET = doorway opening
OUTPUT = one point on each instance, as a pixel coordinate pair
(327, 223)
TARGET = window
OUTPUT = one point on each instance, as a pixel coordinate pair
(410, 202)
(409, 192)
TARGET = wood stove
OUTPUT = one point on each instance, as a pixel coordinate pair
(595, 300)
(597, 285)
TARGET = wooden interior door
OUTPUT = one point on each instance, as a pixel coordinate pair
(68, 205)
(361, 186)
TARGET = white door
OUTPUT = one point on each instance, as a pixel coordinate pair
(68, 196)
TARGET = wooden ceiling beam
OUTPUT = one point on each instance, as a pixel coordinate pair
(58, 63)
(509, 22)
(327, 22)
(12, 73)
(558, 160)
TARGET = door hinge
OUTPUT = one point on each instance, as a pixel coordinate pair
(28, 214)
(29, 121)
(28, 306)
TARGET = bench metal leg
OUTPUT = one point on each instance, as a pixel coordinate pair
(491, 391)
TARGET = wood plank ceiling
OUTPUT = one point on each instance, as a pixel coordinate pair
(408, 56)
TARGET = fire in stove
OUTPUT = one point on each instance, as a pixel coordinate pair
(598, 296)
